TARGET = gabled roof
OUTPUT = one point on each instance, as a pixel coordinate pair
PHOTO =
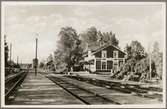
(105, 46)
(97, 49)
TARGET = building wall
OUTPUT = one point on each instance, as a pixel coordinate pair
(106, 64)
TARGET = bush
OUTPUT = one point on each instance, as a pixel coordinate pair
(124, 69)
(136, 70)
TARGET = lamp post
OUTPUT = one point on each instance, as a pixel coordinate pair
(36, 60)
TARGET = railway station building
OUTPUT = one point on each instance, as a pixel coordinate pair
(106, 58)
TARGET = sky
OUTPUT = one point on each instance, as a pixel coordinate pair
(23, 23)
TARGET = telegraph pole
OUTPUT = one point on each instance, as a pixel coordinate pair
(10, 53)
(17, 60)
(150, 66)
(150, 69)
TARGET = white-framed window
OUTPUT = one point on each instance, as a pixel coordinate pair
(120, 62)
(98, 64)
(103, 65)
(115, 64)
(115, 54)
(104, 54)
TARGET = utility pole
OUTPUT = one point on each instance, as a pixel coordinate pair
(10, 53)
(150, 69)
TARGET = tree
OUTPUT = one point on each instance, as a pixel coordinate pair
(50, 58)
(41, 65)
(113, 40)
(129, 66)
(95, 38)
(108, 38)
(135, 53)
(128, 51)
(90, 36)
(59, 60)
(84, 45)
(156, 47)
(69, 40)
(143, 67)
(68, 37)
(157, 57)
(92, 33)
(135, 50)
(77, 53)
(49, 63)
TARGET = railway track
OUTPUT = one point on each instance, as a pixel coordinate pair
(79, 91)
(120, 87)
(86, 96)
(12, 83)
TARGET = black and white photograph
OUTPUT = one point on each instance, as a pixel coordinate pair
(83, 54)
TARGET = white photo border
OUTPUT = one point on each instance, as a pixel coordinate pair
(11, 3)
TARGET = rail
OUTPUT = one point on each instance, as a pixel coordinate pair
(12, 82)
(79, 92)
(125, 88)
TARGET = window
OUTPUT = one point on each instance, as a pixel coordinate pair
(109, 64)
(120, 62)
(115, 65)
(115, 54)
(104, 54)
(98, 64)
(103, 65)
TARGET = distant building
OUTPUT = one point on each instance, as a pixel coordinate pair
(104, 58)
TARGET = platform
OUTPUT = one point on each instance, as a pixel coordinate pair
(40, 90)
